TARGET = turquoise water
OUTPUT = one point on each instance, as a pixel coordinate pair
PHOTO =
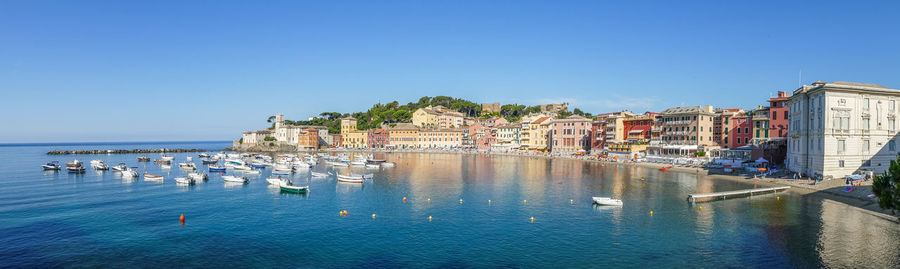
(55, 219)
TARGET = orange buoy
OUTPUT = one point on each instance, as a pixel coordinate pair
(429, 218)
(532, 219)
(429, 200)
(404, 199)
(182, 218)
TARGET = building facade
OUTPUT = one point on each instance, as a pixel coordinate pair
(403, 136)
(570, 135)
(778, 115)
(439, 138)
(378, 138)
(840, 128)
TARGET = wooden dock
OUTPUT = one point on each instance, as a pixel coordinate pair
(727, 194)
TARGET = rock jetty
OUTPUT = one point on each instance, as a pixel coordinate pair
(123, 151)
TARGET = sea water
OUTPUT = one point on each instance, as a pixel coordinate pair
(461, 210)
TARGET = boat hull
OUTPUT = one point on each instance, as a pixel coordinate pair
(293, 189)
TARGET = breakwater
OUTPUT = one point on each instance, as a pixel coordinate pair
(123, 151)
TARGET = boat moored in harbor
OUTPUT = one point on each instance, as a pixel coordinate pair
(607, 201)
(236, 179)
(294, 189)
(54, 165)
(149, 176)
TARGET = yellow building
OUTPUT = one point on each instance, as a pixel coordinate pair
(348, 124)
(403, 135)
(440, 138)
(355, 139)
(538, 131)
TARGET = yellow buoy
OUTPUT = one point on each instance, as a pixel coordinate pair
(651, 212)
(489, 201)
(524, 201)
(460, 201)
(701, 207)
(373, 216)
(778, 198)
(532, 219)
(572, 202)
(429, 218)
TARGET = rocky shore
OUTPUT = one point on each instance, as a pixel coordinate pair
(123, 151)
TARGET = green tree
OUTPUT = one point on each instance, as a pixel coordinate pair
(269, 138)
(271, 118)
(887, 187)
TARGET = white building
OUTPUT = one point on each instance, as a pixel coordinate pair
(509, 137)
(840, 128)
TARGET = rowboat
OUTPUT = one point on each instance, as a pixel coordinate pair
(188, 166)
(184, 180)
(54, 165)
(317, 174)
(149, 176)
(607, 201)
(215, 168)
(349, 179)
(143, 159)
(236, 179)
(378, 161)
(363, 176)
(162, 161)
(294, 189)
(198, 176)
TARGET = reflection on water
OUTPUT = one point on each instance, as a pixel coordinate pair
(44, 214)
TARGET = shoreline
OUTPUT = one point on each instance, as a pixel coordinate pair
(825, 190)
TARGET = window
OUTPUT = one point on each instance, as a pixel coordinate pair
(865, 146)
(867, 163)
(841, 163)
(774, 115)
(841, 146)
(726, 131)
(891, 145)
(891, 105)
(726, 140)
(866, 104)
(726, 120)
(746, 130)
(757, 124)
(891, 124)
(757, 133)
(785, 116)
(865, 124)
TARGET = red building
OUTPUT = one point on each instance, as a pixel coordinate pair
(378, 138)
(739, 131)
(778, 115)
(637, 128)
(337, 141)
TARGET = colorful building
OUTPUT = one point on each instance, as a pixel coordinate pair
(440, 138)
(403, 136)
(309, 140)
(356, 139)
(724, 127)
(378, 138)
(509, 137)
(570, 135)
(778, 115)
(686, 131)
(760, 118)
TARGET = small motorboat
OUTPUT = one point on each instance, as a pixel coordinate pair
(189, 158)
(99, 165)
(210, 161)
(372, 166)
(188, 166)
(198, 176)
(162, 161)
(317, 174)
(358, 163)
(278, 181)
(216, 168)
(75, 169)
(607, 201)
(387, 164)
(203, 155)
(74, 163)
(184, 180)
(349, 179)
(258, 165)
(242, 167)
(149, 176)
(143, 159)
(54, 165)
(373, 161)
(120, 167)
(236, 179)
(163, 157)
(294, 189)
(129, 173)
(165, 166)
(339, 164)
(364, 176)
(249, 172)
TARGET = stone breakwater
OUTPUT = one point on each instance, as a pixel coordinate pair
(123, 151)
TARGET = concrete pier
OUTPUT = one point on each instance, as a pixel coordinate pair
(123, 151)
(727, 194)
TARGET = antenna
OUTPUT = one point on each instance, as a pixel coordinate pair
(800, 78)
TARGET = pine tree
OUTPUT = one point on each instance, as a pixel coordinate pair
(887, 187)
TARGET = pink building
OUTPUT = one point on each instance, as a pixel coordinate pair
(778, 115)
(570, 135)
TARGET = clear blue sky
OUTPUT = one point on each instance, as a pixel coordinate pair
(206, 70)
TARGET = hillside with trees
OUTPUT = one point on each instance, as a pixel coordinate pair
(394, 112)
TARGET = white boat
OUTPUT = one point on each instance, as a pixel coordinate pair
(99, 165)
(281, 172)
(300, 165)
(165, 167)
(235, 179)
(203, 155)
(120, 167)
(339, 164)
(249, 172)
(166, 158)
(317, 174)
(607, 201)
(277, 181)
(149, 176)
(184, 180)
(188, 166)
(358, 163)
(372, 166)
(242, 167)
(129, 173)
(349, 179)
(387, 164)
(198, 176)
(54, 165)
(74, 163)
(364, 176)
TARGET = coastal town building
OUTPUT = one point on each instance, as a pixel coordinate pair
(686, 131)
(509, 137)
(309, 139)
(570, 135)
(253, 138)
(338, 141)
(437, 117)
(403, 136)
(637, 132)
(778, 115)
(839, 128)
(532, 137)
(439, 138)
(495, 121)
(724, 126)
(348, 124)
(378, 138)
(356, 139)
(760, 117)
